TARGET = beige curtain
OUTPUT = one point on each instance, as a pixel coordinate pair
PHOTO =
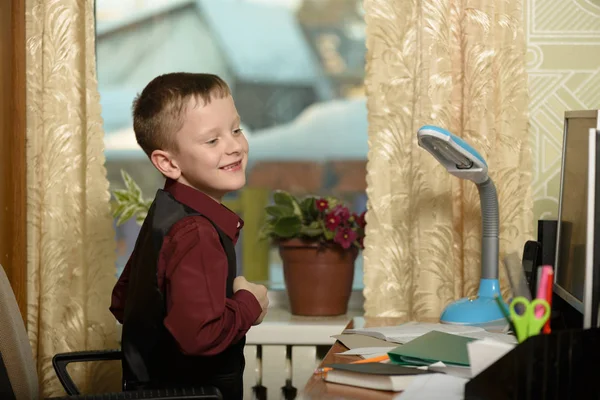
(459, 64)
(71, 245)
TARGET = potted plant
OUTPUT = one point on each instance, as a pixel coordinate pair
(130, 202)
(318, 239)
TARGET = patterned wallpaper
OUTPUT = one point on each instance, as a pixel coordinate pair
(563, 39)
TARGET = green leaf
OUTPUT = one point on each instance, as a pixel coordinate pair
(332, 201)
(312, 230)
(128, 212)
(118, 208)
(283, 198)
(279, 211)
(129, 202)
(329, 235)
(122, 196)
(131, 186)
(287, 227)
(309, 207)
(139, 219)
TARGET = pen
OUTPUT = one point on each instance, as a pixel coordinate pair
(542, 290)
(549, 285)
(384, 357)
(505, 313)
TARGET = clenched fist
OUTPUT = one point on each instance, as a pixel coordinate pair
(259, 291)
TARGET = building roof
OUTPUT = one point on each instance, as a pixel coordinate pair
(263, 43)
(332, 130)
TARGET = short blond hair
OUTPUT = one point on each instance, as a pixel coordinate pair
(158, 111)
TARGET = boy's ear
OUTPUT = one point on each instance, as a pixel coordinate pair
(165, 164)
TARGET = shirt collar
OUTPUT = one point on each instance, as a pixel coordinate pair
(228, 221)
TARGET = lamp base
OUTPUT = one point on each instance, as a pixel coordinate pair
(481, 310)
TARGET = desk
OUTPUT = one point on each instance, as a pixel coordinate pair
(317, 388)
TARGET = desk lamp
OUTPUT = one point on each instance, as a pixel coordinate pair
(462, 161)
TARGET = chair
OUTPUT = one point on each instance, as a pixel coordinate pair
(18, 376)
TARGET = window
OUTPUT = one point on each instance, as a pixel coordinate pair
(296, 69)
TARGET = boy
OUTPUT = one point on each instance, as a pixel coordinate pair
(184, 313)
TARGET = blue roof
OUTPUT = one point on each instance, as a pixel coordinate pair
(264, 43)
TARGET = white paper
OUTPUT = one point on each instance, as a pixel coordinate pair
(411, 330)
(499, 337)
(367, 351)
(434, 387)
(454, 370)
(483, 353)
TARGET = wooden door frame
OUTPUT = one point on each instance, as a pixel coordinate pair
(13, 174)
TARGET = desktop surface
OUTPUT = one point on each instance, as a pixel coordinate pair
(317, 388)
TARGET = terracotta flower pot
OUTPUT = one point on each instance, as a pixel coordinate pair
(318, 278)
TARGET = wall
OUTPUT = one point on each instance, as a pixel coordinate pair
(563, 38)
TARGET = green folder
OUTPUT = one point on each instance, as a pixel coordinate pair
(433, 347)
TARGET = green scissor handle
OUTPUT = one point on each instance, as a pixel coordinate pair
(528, 324)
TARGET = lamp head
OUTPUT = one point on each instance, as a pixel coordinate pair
(460, 159)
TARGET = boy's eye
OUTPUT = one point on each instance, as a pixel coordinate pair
(212, 141)
(238, 131)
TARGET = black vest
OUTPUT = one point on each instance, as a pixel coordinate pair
(151, 356)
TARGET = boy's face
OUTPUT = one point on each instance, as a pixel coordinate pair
(212, 151)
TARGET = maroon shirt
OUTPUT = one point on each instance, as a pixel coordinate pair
(192, 271)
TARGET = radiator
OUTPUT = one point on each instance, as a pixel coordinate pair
(275, 367)
(285, 350)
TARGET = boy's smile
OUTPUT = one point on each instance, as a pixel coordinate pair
(211, 150)
(236, 166)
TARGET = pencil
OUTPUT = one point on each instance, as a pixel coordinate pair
(384, 357)
(373, 359)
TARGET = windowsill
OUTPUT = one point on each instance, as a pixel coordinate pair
(280, 327)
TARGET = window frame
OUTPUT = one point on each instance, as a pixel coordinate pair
(13, 173)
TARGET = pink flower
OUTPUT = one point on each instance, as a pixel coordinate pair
(342, 212)
(332, 221)
(322, 204)
(360, 219)
(344, 237)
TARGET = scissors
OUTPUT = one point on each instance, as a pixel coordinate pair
(526, 321)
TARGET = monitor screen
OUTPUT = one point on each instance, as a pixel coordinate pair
(572, 213)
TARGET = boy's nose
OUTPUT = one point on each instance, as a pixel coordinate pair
(234, 146)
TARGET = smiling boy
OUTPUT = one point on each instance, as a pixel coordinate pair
(185, 314)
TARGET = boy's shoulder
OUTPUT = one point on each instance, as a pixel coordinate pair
(168, 207)
(196, 224)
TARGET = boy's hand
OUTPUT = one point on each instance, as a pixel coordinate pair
(259, 291)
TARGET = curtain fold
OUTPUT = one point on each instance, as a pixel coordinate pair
(71, 242)
(458, 64)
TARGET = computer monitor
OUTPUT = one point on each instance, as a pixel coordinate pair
(572, 228)
(591, 286)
